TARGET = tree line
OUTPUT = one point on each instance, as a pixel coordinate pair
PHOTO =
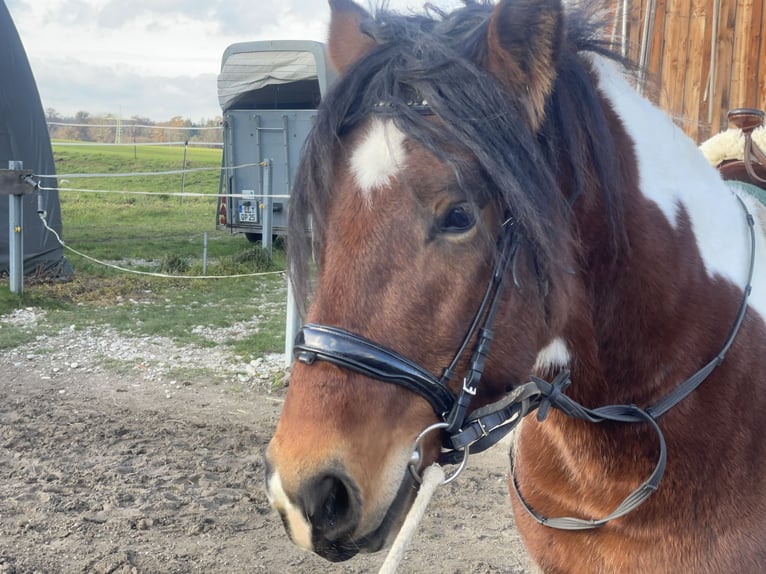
(110, 128)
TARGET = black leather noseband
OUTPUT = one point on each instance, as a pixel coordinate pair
(345, 349)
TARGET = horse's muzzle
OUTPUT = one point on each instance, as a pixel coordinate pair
(322, 515)
(332, 505)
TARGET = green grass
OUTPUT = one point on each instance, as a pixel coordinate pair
(125, 226)
(157, 234)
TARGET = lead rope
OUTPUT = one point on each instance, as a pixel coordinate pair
(433, 477)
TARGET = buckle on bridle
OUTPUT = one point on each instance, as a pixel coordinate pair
(468, 387)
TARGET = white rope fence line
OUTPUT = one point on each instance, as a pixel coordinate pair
(126, 126)
(147, 273)
(61, 242)
(162, 193)
(137, 144)
(149, 173)
(433, 477)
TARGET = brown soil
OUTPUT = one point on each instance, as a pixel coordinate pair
(104, 472)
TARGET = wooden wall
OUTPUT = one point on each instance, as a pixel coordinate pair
(703, 57)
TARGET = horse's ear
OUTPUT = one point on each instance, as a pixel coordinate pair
(523, 43)
(346, 42)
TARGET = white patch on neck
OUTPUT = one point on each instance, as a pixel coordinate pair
(555, 355)
(379, 157)
(673, 173)
(300, 529)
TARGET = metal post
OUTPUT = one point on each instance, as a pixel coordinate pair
(204, 254)
(16, 242)
(183, 172)
(258, 154)
(14, 183)
(268, 209)
(292, 324)
(286, 143)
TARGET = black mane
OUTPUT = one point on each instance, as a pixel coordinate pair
(430, 58)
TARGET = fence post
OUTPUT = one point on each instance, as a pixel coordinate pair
(268, 209)
(204, 254)
(183, 172)
(292, 324)
(15, 183)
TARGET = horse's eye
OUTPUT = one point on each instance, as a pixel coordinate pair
(459, 219)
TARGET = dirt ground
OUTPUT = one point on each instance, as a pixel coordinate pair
(104, 471)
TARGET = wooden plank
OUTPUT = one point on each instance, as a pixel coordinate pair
(676, 57)
(683, 47)
(635, 22)
(679, 55)
(619, 21)
(698, 66)
(641, 20)
(741, 55)
(753, 52)
(724, 52)
(656, 59)
(760, 93)
(668, 36)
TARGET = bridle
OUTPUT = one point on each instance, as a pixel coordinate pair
(342, 348)
(464, 432)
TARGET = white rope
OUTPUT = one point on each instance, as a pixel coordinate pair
(150, 274)
(433, 477)
(146, 173)
(135, 144)
(163, 193)
(125, 126)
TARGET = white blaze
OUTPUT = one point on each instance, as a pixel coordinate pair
(379, 157)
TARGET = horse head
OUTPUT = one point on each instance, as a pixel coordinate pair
(411, 204)
(491, 205)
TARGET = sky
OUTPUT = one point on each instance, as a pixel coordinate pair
(151, 58)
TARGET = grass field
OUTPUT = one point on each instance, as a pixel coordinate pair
(154, 233)
(125, 226)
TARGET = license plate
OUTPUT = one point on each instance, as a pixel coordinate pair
(248, 213)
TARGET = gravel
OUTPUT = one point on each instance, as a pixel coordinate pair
(155, 358)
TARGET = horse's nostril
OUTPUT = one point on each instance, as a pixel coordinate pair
(336, 503)
(330, 507)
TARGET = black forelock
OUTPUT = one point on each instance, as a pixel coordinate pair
(430, 59)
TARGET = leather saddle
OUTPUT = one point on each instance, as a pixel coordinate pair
(751, 169)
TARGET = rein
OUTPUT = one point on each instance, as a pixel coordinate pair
(550, 394)
(465, 432)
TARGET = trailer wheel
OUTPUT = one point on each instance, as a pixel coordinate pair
(254, 237)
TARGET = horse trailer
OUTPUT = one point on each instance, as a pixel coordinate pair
(269, 92)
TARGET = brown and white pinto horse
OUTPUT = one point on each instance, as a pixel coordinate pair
(504, 140)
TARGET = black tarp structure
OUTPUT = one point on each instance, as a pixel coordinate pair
(24, 137)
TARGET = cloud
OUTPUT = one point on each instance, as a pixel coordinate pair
(241, 17)
(229, 17)
(118, 13)
(153, 58)
(70, 86)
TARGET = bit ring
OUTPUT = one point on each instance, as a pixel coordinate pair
(416, 456)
